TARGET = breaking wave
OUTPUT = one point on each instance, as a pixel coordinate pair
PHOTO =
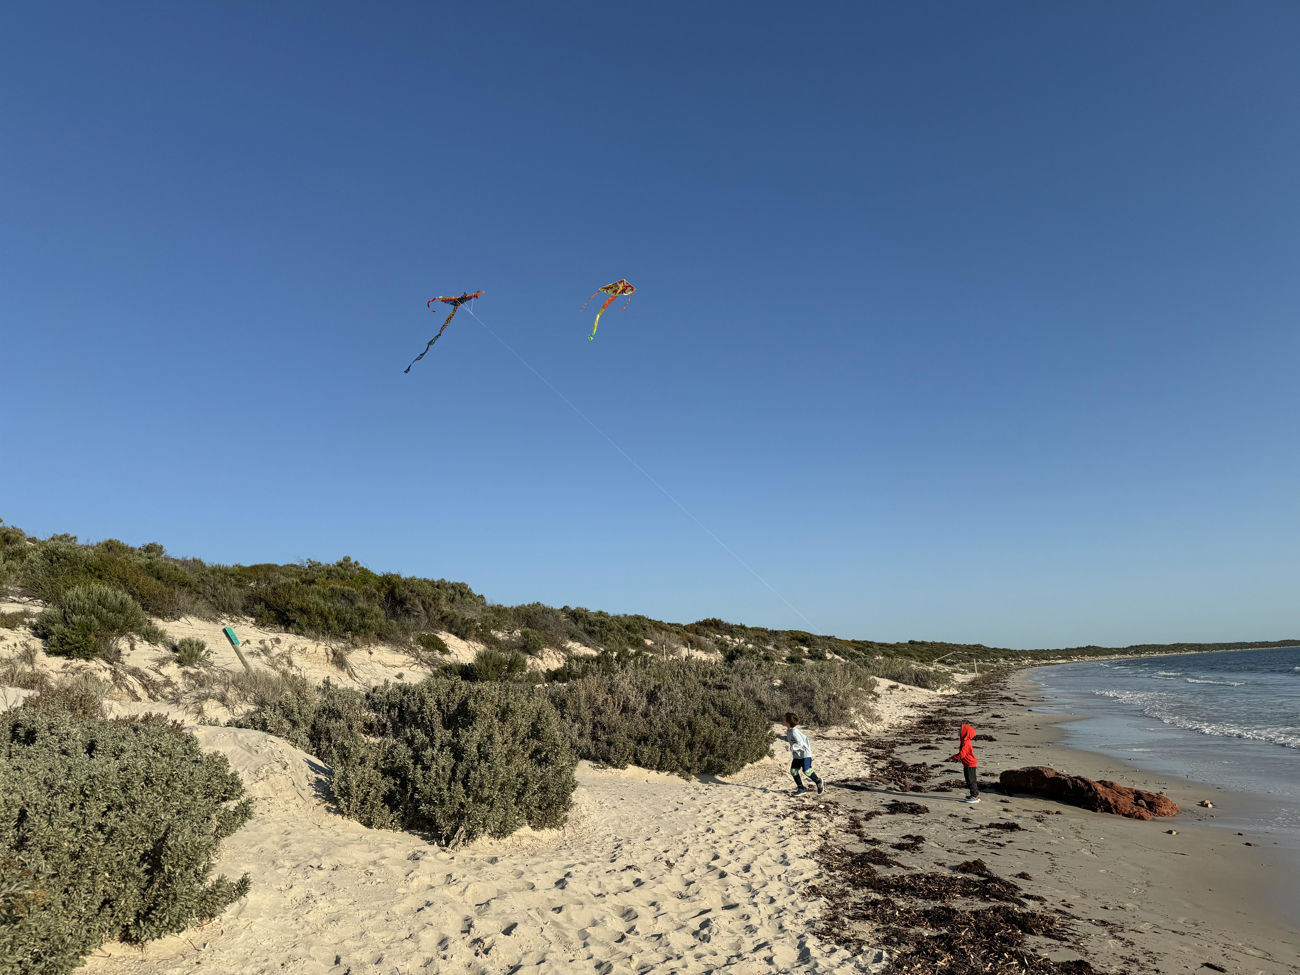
(1165, 707)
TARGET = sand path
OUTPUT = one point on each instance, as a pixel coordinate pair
(652, 874)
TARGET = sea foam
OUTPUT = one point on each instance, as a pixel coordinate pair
(1165, 708)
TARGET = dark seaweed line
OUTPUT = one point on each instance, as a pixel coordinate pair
(911, 912)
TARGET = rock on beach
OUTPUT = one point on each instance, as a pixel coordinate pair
(1099, 796)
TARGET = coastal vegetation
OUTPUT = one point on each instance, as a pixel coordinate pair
(107, 831)
(450, 759)
(484, 745)
(346, 601)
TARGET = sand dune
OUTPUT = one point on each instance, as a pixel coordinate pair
(652, 874)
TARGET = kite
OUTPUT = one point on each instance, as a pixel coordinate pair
(615, 290)
(455, 304)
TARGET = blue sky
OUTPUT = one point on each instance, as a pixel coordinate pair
(963, 322)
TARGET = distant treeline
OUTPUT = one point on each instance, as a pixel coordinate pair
(344, 600)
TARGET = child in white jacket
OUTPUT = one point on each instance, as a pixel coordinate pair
(800, 755)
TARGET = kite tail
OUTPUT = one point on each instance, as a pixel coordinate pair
(608, 302)
(407, 370)
(431, 341)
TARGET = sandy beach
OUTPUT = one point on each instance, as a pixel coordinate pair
(655, 873)
(652, 874)
(1134, 896)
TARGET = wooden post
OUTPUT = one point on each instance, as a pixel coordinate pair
(234, 643)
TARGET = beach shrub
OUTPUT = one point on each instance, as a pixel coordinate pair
(333, 724)
(821, 693)
(52, 568)
(190, 651)
(260, 688)
(531, 642)
(328, 607)
(82, 697)
(87, 622)
(446, 758)
(908, 672)
(684, 717)
(14, 673)
(491, 665)
(12, 621)
(21, 670)
(463, 760)
(554, 625)
(315, 719)
(107, 831)
(432, 643)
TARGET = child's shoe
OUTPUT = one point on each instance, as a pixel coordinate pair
(801, 791)
(820, 788)
(971, 800)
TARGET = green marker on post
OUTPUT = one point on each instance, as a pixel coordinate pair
(234, 642)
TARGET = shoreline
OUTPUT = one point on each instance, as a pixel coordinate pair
(1187, 791)
(1248, 809)
(1124, 894)
(1143, 656)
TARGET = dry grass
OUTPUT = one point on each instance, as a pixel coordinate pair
(15, 620)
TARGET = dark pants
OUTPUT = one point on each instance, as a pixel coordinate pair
(803, 765)
(972, 782)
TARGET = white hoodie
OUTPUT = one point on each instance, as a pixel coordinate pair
(799, 747)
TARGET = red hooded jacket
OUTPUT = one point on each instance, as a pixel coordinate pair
(966, 755)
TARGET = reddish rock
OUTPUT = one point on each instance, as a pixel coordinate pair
(1103, 796)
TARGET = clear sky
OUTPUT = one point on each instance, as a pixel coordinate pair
(953, 321)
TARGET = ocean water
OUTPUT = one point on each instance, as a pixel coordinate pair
(1228, 720)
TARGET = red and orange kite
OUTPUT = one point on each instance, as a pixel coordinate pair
(617, 289)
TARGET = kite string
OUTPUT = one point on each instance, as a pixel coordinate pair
(646, 474)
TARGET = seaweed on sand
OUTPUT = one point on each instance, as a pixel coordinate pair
(962, 920)
(1008, 827)
(928, 921)
(909, 843)
(894, 807)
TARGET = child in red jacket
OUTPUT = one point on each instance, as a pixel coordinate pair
(966, 755)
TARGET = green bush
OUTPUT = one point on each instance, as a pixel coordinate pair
(107, 831)
(260, 688)
(683, 717)
(432, 643)
(531, 642)
(53, 568)
(82, 697)
(490, 664)
(87, 622)
(587, 665)
(288, 715)
(467, 760)
(445, 758)
(12, 621)
(820, 693)
(190, 651)
(329, 607)
(908, 672)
